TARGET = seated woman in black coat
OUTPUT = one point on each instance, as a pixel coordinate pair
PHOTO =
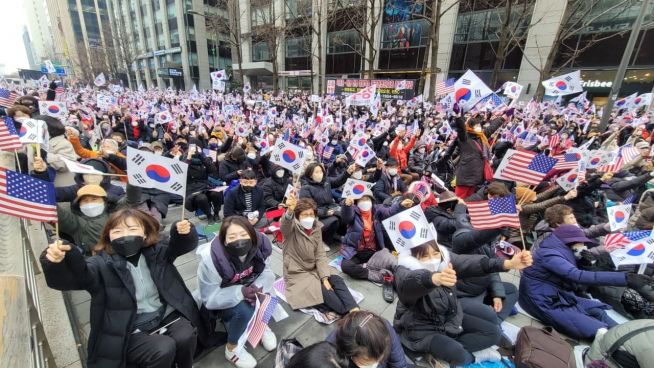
(317, 186)
(430, 319)
(134, 285)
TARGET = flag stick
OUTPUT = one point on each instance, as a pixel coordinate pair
(57, 230)
(18, 161)
(522, 238)
(37, 150)
(641, 268)
(184, 207)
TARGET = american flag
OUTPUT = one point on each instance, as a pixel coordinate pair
(263, 314)
(554, 140)
(629, 200)
(494, 213)
(625, 155)
(7, 97)
(327, 152)
(26, 197)
(567, 161)
(527, 167)
(8, 136)
(620, 240)
(60, 89)
(445, 87)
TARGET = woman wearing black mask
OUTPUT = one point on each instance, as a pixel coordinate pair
(134, 284)
(233, 270)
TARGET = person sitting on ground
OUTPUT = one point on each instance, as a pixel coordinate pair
(364, 251)
(547, 290)
(390, 184)
(429, 318)
(367, 340)
(85, 218)
(246, 199)
(134, 284)
(233, 270)
(319, 188)
(275, 187)
(307, 275)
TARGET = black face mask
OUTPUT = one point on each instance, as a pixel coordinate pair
(128, 246)
(247, 188)
(239, 248)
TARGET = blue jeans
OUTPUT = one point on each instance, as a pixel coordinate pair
(236, 320)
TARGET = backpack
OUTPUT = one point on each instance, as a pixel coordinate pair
(542, 348)
(619, 357)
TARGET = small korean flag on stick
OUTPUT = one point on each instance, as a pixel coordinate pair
(355, 189)
(148, 170)
(291, 192)
(34, 131)
(408, 229)
(55, 109)
(568, 181)
(619, 216)
(288, 156)
(364, 155)
(636, 253)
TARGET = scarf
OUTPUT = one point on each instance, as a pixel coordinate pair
(480, 135)
(367, 241)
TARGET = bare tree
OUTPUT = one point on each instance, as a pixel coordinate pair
(123, 51)
(577, 16)
(230, 27)
(363, 16)
(269, 29)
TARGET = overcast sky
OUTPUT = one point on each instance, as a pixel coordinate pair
(12, 49)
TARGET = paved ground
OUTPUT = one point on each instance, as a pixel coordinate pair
(299, 325)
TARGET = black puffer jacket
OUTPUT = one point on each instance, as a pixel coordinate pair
(274, 189)
(424, 309)
(112, 290)
(228, 169)
(322, 192)
(199, 170)
(470, 167)
(444, 222)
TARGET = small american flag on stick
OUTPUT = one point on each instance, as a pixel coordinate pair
(26, 197)
(494, 213)
(265, 310)
(8, 136)
(7, 97)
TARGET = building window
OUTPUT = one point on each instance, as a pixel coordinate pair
(403, 10)
(299, 46)
(405, 34)
(260, 52)
(343, 41)
(260, 15)
(298, 8)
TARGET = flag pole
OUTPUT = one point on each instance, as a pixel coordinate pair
(524, 196)
(57, 230)
(184, 207)
(522, 238)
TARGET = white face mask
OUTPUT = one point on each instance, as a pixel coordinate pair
(252, 156)
(392, 172)
(92, 178)
(357, 175)
(307, 222)
(432, 265)
(92, 209)
(309, 156)
(279, 173)
(334, 141)
(364, 205)
(478, 128)
(158, 152)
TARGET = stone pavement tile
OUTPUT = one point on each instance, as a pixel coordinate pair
(520, 320)
(79, 296)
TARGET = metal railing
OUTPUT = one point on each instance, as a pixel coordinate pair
(23, 342)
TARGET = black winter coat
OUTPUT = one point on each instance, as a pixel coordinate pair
(321, 192)
(470, 168)
(444, 222)
(424, 309)
(199, 170)
(113, 300)
(384, 187)
(274, 189)
(228, 169)
(235, 202)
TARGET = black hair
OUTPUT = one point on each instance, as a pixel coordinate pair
(422, 250)
(55, 126)
(392, 162)
(319, 355)
(309, 170)
(240, 221)
(248, 174)
(363, 334)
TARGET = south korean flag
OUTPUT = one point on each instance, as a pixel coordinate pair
(288, 156)
(408, 229)
(364, 155)
(34, 131)
(148, 170)
(355, 189)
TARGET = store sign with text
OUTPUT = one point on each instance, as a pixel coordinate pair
(385, 87)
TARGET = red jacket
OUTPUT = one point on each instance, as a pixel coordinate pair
(402, 155)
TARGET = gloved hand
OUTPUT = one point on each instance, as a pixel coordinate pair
(587, 258)
(250, 293)
(636, 281)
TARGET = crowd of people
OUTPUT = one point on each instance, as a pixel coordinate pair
(451, 299)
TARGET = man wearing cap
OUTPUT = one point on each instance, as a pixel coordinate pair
(85, 218)
(390, 184)
(547, 289)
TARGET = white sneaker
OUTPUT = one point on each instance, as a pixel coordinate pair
(242, 360)
(487, 355)
(269, 340)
